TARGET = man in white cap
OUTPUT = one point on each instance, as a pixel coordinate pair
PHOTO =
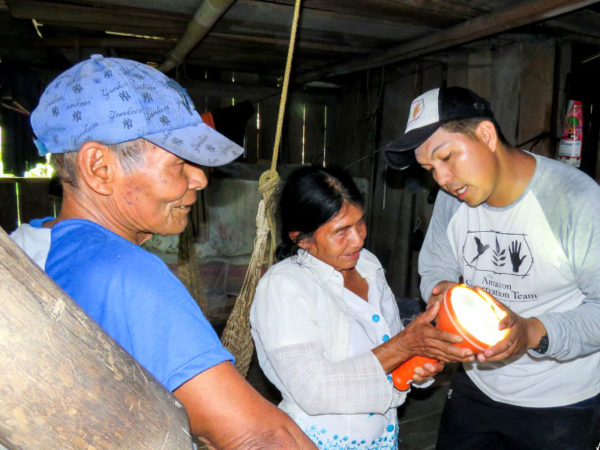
(526, 229)
(129, 146)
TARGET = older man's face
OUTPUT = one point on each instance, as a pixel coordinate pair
(157, 197)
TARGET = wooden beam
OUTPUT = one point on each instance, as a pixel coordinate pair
(221, 89)
(580, 23)
(518, 15)
(436, 13)
(255, 93)
(283, 43)
(105, 17)
(205, 17)
(273, 18)
(107, 42)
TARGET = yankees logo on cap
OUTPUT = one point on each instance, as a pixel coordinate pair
(114, 100)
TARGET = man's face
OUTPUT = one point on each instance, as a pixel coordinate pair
(338, 242)
(157, 197)
(462, 165)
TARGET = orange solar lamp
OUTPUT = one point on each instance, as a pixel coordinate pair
(470, 313)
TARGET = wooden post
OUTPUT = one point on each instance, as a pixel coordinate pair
(64, 382)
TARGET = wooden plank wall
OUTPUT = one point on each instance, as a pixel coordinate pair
(27, 199)
(309, 125)
(355, 127)
(8, 200)
(308, 128)
(536, 95)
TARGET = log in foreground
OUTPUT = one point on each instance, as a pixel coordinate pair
(64, 382)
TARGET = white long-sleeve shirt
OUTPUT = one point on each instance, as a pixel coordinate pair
(540, 256)
(313, 338)
(34, 240)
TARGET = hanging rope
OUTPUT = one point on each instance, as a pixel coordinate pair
(236, 335)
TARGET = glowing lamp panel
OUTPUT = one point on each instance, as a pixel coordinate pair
(477, 316)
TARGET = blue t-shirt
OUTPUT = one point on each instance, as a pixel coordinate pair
(135, 298)
(38, 223)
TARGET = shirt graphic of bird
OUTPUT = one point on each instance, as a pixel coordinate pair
(480, 249)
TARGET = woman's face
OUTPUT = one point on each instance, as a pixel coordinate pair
(338, 242)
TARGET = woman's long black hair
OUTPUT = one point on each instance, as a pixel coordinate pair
(309, 198)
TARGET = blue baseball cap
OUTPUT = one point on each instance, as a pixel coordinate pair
(114, 100)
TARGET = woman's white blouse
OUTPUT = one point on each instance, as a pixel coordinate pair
(313, 339)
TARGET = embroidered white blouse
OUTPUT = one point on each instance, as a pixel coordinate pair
(313, 338)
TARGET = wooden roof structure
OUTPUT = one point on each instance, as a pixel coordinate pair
(335, 37)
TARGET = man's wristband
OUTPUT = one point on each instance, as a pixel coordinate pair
(542, 346)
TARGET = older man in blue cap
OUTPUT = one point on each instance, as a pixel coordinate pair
(128, 145)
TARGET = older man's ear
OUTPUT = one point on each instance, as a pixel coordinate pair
(95, 163)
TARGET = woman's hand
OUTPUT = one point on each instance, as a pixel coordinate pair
(427, 371)
(420, 337)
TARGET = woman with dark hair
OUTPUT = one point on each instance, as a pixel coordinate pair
(326, 324)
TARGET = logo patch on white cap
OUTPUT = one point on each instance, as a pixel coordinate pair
(423, 110)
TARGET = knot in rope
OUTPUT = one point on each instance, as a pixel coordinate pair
(268, 182)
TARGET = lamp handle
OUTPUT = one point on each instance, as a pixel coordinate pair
(403, 374)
